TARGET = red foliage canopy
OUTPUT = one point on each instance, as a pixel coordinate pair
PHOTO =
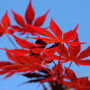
(36, 56)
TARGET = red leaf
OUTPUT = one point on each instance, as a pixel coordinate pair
(74, 50)
(84, 62)
(70, 35)
(55, 29)
(19, 19)
(5, 20)
(23, 43)
(11, 57)
(75, 29)
(85, 53)
(19, 52)
(2, 30)
(4, 71)
(23, 59)
(4, 63)
(29, 15)
(71, 75)
(7, 76)
(28, 29)
(75, 43)
(84, 81)
(40, 20)
(55, 69)
(42, 31)
(14, 66)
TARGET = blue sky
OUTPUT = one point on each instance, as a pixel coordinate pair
(66, 13)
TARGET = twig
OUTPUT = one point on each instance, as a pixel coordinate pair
(66, 70)
(11, 41)
(59, 62)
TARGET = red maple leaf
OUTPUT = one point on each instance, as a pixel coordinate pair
(21, 62)
(74, 54)
(29, 20)
(5, 23)
(75, 83)
(58, 36)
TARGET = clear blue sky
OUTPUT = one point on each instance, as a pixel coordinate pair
(66, 13)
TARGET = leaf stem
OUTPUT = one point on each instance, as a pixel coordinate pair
(67, 70)
(11, 41)
(27, 36)
(59, 61)
(54, 62)
(44, 86)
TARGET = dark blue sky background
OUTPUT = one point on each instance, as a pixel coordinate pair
(66, 13)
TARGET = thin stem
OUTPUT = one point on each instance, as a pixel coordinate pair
(11, 41)
(27, 36)
(54, 62)
(67, 70)
(59, 62)
(44, 86)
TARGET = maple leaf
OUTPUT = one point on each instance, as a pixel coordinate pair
(5, 71)
(22, 62)
(5, 23)
(40, 20)
(16, 52)
(19, 19)
(76, 56)
(23, 43)
(70, 74)
(81, 83)
(59, 37)
(29, 19)
(30, 14)
(34, 49)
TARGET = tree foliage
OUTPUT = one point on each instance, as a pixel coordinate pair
(34, 59)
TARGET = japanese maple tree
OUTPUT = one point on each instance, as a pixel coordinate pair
(36, 60)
